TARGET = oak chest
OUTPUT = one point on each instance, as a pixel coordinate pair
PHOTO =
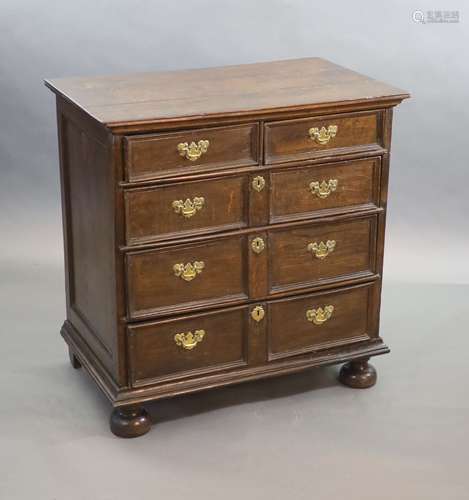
(222, 225)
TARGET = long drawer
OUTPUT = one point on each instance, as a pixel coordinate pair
(214, 272)
(181, 209)
(250, 335)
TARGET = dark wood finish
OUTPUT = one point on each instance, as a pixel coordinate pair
(130, 422)
(154, 354)
(358, 374)
(289, 140)
(257, 337)
(259, 200)
(233, 273)
(74, 361)
(231, 91)
(91, 362)
(121, 172)
(129, 396)
(88, 213)
(154, 289)
(155, 357)
(150, 215)
(258, 267)
(156, 155)
(293, 266)
(349, 322)
(357, 189)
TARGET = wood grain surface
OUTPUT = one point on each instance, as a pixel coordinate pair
(297, 83)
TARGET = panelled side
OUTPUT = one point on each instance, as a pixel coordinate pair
(87, 180)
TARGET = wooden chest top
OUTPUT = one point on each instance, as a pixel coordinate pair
(237, 91)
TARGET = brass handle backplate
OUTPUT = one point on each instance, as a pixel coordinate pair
(321, 250)
(324, 188)
(320, 315)
(189, 340)
(189, 207)
(257, 245)
(193, 151)
(188, 271)
(323, 135)
(258, 183)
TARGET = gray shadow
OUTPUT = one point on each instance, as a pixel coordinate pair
(311, 380)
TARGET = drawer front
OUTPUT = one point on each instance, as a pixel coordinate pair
(324, 189)
(180, 153)
(187, 346)
(325, 135)
(180, 278)
(322, 253)
(320, 321)
(185, 208)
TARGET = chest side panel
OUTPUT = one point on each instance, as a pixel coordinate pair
(88, 212)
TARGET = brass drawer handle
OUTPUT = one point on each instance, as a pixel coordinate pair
(258, 313)
(258, 183)
(189, 340)
(257, 245)
(188, 271)
(189, 207)
(324, 188)
(193, 151)
(322, 250)
(319, 316)
(323, 135)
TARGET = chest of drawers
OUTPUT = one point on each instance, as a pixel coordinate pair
(222, 225)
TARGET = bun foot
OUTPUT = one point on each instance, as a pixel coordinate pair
(130, 422)
(358, 374)
(74, 360)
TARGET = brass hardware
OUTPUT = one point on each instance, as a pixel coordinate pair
(323, 135)
(188, 208)
(323, 189)
(319, 316)
(322, 250)
(258, 313)
(258, 183)
(193, 151)
(188, 271)
(189, 340)
(257, 245)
